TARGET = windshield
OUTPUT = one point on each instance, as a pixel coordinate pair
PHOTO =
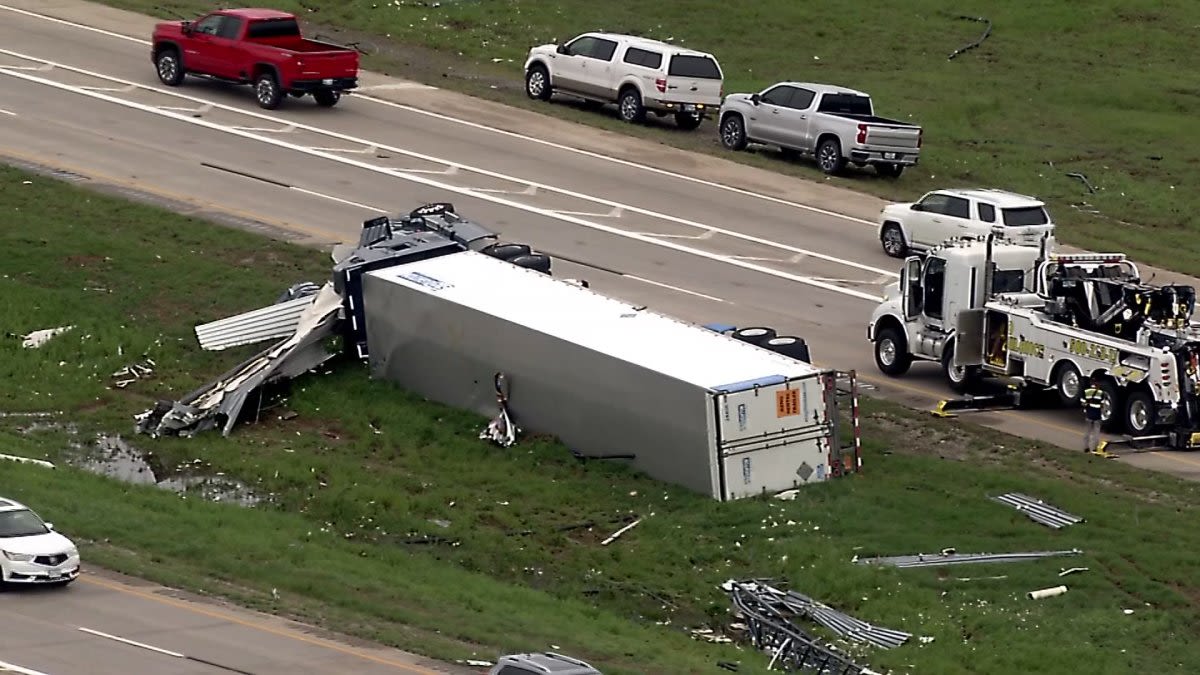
(1031, 215)
(22, 523)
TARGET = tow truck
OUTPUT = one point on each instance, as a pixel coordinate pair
(989, 307)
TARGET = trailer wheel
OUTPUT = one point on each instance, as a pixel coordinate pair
(538, 262)
(1110, 406)
(891, 352)
(1138, 412)
(1068, 383)
(961, 379)
(790, 346)
(506, 251)
(756, 335)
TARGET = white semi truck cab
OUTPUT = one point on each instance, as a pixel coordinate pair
(989, 307)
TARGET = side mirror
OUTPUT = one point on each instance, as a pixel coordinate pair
(186, 27)
(917, 207)
(561, 49)
(756, 98)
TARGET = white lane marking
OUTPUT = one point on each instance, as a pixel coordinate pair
(674, 288)
(335, 199)
(503, 132)
(7, 112)
(466, 191)
(456, 166)
(133, 643)
(6, 667)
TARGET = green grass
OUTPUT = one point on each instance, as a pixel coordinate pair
(365, 470)
(1100, 88)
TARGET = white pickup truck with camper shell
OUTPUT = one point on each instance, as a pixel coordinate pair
(942, 214)
(1048, 322)
(834, 124)
(639, 75)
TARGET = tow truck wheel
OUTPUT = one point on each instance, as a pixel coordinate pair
(891, 352)
(1138, 412)
(267, 91)
(327, 98)
(1068, 383)
(170, 70)
(960, 378)
(1111, 418)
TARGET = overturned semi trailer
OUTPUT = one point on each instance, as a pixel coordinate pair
(689, 405)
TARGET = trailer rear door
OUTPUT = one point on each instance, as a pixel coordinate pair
(774, 433)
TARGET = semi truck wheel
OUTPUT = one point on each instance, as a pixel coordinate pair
(1111, 419)
(756, 335)
(1068, 383)
(1138, 412)
(961, 378)
(891, 352)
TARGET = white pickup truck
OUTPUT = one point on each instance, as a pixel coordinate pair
(834, 124)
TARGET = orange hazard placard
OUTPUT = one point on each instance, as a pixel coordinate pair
(787, 402)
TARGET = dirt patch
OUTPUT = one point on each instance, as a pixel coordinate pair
(83, 260)
(912, 437)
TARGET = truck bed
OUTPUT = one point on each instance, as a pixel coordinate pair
(872, 119)
(300, 45)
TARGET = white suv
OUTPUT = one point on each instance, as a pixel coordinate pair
(637, 74)
(943, 214)
(31, 552)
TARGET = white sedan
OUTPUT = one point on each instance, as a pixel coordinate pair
(944, 214)
(31, 552)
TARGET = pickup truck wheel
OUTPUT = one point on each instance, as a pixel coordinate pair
(170, 70)
(889, 170)
(687, 121)
(891, 352)
(632, 110)
(960, 378)
(266, 90)
(327, 98)
(733, 132)
(829, 157)
(537, 83)
(892, 239)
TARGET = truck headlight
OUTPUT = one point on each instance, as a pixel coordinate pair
(18, 557)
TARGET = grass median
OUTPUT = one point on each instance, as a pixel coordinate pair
(1054, 90)
(384, 516)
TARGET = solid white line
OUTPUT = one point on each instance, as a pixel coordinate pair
(132, 643)
(336, 199)
(456, 165)
(7, 112)
(433, 183)
(503, 132)
(6, 667)
(673, 288)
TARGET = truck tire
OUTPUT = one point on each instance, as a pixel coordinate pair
(537, 83)
(790, 346)
(1138, 412)
(892, 240)
(538, 262)
(829, 157)
(733, 132)
(1068, 384)
(1110, 407)
(505, 251)
(687, 121)
(962, 379)
(755, 335)
(630, 106)
(169, 67)
(327, 98)
(891, 352)
(267, 91)
(889, 170)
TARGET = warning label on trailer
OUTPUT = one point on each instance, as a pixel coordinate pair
(787, 402)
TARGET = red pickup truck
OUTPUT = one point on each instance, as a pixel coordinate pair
(262, 47)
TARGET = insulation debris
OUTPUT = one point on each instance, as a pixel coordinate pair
(1038, 510)
(40, 337)
(133, 372)
(501, 429)
(948, 557)
(613, 537)
(27, 460)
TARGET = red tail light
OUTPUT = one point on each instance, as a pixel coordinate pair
(661, 83)
(920, 133)
(862, 134)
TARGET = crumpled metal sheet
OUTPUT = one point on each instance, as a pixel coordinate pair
(266, 323)
(219, 403)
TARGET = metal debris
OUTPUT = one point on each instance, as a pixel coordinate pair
(501, 430)
(986, 32)
(1038, 510)
(1072, 571)
(27, 460)
(267, 323)
(134, 372)
(951, 558)
(766, 614)
(40, 337)
(613, 537)
(1046, 593)
(842, 624)
(1082, 179)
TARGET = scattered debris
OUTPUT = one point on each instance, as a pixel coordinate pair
(764, 611)
(501, 429)
(842, 624)
(133, 372)
(273, 322)
(1038, 510)
(986, 32)
(951, 558)
(787, 495)
(613, 537)
(995, 578)
(1046, 592)
(27, 460)
(40, 337)
(709, 635)
(479, 664)
(1083, 179)
(1072, 571)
